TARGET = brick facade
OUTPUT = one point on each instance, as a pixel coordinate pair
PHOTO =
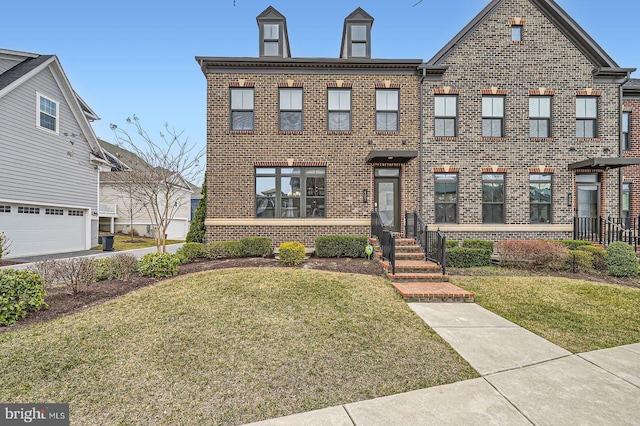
(631, 175)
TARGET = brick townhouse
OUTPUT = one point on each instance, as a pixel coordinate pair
(304, 147)
(511, 130)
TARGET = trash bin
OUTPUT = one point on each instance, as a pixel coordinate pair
(107, 243)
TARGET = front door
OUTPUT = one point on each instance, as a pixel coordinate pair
(588, 201)
(387, 197)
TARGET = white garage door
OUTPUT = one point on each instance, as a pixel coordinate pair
(177, 229)
(40, 230)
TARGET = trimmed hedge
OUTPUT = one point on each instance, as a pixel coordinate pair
(532, 254)
(579, 260)
(20, 292)
(453, 244)
(622, 260)
(222, 249)
(191, 251)
(291, 253)
(575, 244)
(599, 256)
(159, 265)
(463, 257)
(341, 246)
(478, 244)
(254, 247)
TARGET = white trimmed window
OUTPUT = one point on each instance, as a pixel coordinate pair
(48, 113)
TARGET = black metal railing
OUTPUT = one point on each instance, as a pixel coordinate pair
(607, 230)
(433, 243)
(386, 239)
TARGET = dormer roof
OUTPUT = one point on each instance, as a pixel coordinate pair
(274, 41)
(360, 36)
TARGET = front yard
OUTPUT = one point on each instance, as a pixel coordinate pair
(228, 347)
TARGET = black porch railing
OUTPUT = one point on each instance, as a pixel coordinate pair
(386, 239)
(607, 230)
(433, 243)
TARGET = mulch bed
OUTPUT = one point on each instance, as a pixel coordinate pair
(62, 303)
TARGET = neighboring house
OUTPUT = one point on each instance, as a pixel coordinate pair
(121, 207)
(512, 130)
(196, 196)
(304, 147)
(631, 148)
(49, 158)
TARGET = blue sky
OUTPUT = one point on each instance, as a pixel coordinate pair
(128, 57)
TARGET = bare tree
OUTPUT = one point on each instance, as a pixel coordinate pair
(126, 193)
(162, 180)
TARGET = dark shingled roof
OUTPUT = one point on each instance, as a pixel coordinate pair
(22, 69)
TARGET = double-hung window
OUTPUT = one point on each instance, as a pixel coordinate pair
(446, 197)
(540, 116)
(271, 40)
(290, 109)
(339, 109)
(493, 116)
(290, 192)
(242, 109)
(587, 117)
(540, 198)
(626, 145)
(387, 105)
(493, 198)
(47, 113)
(446, 113)
(359, 48)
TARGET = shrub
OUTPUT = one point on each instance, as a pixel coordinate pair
(599, 256)
(222, 249)
(291, 253)
(579, 260)
(462, 257)
(532, 254)
(341, 246)
(48, 270)
(453, 244)
(20, 292)
(191, 251)
(159, 265)
(5, 243)
(621, 260)
(255, 247)
(119, 266)
(77, 273)
(575, 244)
(478, 244)
(197, 230)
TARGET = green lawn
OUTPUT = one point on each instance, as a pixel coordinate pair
(123, 242)
(577, 315)
(228, 347)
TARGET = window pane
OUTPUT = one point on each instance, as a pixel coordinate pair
(271, 32)
(241, 99)
(47, 106)
(445, 127)
(492, 213)
(291, 99)
(492, 128)
(358, 33)
(591, 107)
(487, 107)
(359, 50)
(290, 186)
(387, 121)
(387, 100)
(290, 120)
(47, 121)
(446, 213)
(242, 120)
(290, 207)
(516, 33)
(540, 107)
(498, 106)
(339, 100)
(625, 122)
(450, 104)
(586, 129)
(315, 207)
(339, 121)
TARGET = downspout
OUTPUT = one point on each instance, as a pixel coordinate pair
(420, 143)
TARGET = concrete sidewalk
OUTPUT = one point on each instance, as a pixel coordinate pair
(96, 254)
(525, 380)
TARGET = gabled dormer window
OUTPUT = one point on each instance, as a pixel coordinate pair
(274, 41)
(356, 37)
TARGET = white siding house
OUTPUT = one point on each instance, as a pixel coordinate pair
(49, 158)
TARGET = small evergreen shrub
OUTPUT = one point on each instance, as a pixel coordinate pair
(291, 253)
(532, 254)
(478, 244)
(191, 251)
(599, 256)
(621, 260)
(255, 247)
(453, 244)
(463, 257)
(341, 246)
(575, 244)
(159, 265)
(222, 249)
(20, 292)
(579, 260)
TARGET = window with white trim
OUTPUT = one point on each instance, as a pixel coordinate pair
(5, 209)
(54, 212)
(48, 112)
